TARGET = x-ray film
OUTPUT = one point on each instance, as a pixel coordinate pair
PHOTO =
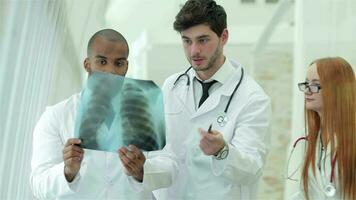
(115, 111)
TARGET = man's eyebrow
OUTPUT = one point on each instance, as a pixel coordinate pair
(203, 36)
(100, 56)
(185, 37)
(198, 37)
(121, 58)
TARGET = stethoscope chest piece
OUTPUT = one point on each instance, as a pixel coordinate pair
(222, 120)
(330, 190)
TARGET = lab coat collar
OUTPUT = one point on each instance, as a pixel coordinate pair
(184, 93)
(225, 71)
(230, 76)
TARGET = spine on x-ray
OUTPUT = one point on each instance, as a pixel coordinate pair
(97, 111)
(136, 120)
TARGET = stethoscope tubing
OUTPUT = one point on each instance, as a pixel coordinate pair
(232, 94)
(333, 161)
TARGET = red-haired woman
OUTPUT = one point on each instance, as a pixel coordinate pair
(329, 170)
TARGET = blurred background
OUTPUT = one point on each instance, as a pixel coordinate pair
(43, 46)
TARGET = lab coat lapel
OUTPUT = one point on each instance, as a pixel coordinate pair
(185, 98)
(215, 98)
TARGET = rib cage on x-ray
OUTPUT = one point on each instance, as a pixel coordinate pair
(137, 125)
(98, 109)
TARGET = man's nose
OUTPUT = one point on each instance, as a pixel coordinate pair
(194, 49)
(110, 68)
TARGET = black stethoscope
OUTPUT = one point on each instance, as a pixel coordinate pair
(329, 189)
(221, 119)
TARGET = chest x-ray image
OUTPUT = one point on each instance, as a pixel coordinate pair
(115, 111)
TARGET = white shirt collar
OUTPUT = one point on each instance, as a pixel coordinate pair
(222, 74)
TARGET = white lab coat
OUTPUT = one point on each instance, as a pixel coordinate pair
(246, 133)
(101, 175)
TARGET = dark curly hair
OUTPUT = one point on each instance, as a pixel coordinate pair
(196, 12)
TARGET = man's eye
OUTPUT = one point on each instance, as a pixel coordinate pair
(121, 63)
(203, 40)
(103, 62)
(187, 42)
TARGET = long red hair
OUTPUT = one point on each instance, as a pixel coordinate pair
(338, 93)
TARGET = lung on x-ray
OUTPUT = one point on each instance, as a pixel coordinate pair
(115, 111)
